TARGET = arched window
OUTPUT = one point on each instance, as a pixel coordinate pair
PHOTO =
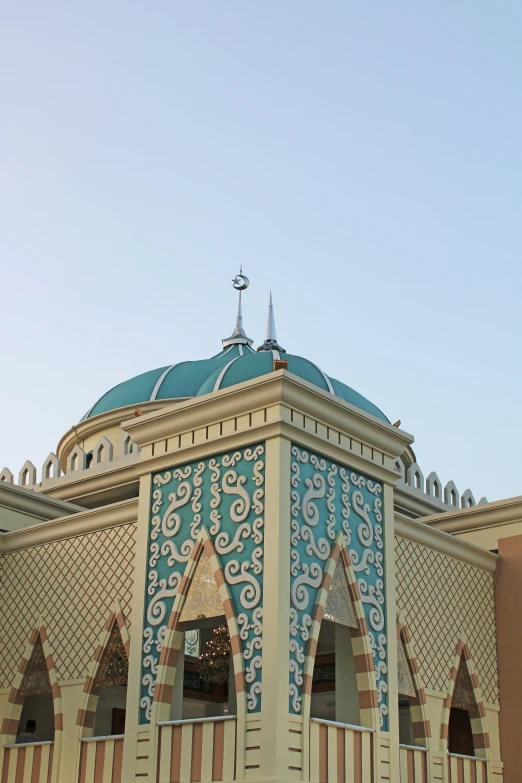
(406, 694)
(463, 727)
(111, 685)
(203, 603)
(204, 684)
(463, 707)
(34, 715)
(103, 712)
(334, 682)
(37, 716)
(414, 728)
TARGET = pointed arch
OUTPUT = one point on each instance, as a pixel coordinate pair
(16, 697)
(421, 724)
(91, 689)
(174, 637)
(481, 740)
(362, 651)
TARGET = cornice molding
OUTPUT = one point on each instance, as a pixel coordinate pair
(262, 432)
(499, 512)
(279, 387)
(94, 480)
(231, 418)
(446, 544)
(415, 502)
(83, 522)
(34, 504)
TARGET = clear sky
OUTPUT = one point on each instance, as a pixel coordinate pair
(362, 159)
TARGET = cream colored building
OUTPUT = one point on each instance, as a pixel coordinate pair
(234, 569)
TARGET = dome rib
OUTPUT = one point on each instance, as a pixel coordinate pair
(160, 380)
(326, 378)
(224, 370)
(189, 379)
(223, 352)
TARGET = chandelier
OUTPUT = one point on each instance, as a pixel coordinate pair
(214, 662)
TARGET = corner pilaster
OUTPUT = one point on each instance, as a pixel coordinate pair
(274, 732)
(388, 742)
(134, 734)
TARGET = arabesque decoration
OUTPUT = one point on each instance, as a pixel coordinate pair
(36, 677)
(339, 606)
(226, 495)
(203, 599)
(114, 665)
(327, 498)
(463, 695)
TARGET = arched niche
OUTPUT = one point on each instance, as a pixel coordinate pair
(51, 468)
(414, 727)
(77, 460)
(27, 475)
(105, 689)
(35, 695)
(339, 639)
(103, 451)
(415, 477)
(203, 603)
(463, 729)
(128, 446)
(7, 476)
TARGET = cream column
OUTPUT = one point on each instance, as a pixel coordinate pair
(391, 633)
(276, 612)
(130, 751)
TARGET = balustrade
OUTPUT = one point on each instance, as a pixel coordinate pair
(101, 759)
(414, 764)
(466, 768)
(32, 761)
(190, 751)
(340, 753)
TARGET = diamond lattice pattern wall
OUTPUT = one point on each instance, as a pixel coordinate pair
(441, 597)
(71, 584)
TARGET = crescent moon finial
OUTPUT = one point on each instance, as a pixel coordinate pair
(240, 282)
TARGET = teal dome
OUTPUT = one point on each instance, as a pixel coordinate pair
(231, 366)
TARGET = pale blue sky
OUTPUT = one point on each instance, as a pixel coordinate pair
(361, 159)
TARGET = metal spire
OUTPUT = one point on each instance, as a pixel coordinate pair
(238, 337)
(271, 343)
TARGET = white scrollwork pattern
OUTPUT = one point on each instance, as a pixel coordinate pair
(327, 499)
(225, 495)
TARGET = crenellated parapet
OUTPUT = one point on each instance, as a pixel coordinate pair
(79, 463)
(431, 488)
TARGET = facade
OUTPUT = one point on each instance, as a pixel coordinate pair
(234, 569)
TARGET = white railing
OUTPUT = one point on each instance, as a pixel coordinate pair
(31, 761)
(203, 749)
(340, 752)
(414, 764)
(101, 759)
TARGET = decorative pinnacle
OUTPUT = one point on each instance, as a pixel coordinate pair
(238, 337)
(271, 343)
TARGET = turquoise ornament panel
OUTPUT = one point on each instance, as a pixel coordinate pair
(327, 498)
(224, 493)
